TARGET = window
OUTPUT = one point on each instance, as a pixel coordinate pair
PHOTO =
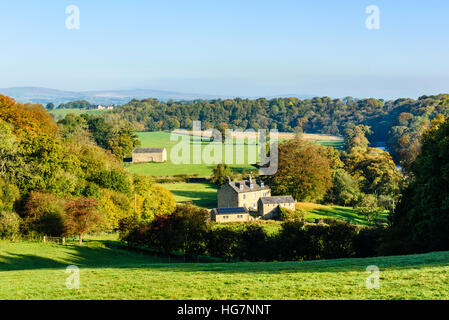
(244, 196)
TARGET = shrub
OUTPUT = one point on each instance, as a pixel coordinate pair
(44, 213)
(9, 224)
(223, 243)
(339, 240)
(300, 242)
(285, 214)
(292, 240)
(253, 244)
(192, 227)
(368, 241)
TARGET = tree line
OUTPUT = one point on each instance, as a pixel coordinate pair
(317, 115)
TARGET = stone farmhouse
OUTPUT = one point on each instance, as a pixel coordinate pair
(230, 215)
(141, 155)
(248, 196)
(268, 207)
(242, 194)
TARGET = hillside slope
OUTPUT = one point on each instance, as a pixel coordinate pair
(37, 271)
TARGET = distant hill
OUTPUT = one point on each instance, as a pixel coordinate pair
(46, 95)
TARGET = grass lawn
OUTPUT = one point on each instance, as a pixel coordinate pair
(37, 271)
(201, 194)
(318, 211)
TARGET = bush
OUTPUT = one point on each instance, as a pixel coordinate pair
(285, 214)
(292, 240)
(192, 227)
(253, 244)
(339, 240)
(9, 224)
(223, 243)
(368, 242)
(300, 242)
(44, 213)
(185, 230)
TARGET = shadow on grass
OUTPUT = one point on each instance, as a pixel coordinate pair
(203, 198)
(107, 254)
(110, 256)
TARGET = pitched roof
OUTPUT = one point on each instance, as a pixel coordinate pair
(246, 186)
(277, 200)
(231, 210)
(149, 150)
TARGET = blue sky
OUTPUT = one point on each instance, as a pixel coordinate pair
(245, 47)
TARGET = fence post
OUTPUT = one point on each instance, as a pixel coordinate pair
(45, 238)
(63, 241)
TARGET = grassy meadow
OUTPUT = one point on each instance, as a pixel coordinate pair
(348, 214)
(162, 140)
(201, 194)
(37, 271)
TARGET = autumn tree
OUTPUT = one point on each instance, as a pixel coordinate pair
(44, 213)
(82, 216)
(304, 171)
(355, 138)
(158, 202)
(27, 119)
(375, 172)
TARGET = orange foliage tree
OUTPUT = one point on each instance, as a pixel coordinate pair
(82, 216)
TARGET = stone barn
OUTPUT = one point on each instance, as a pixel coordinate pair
(268, 207)
(141, 155)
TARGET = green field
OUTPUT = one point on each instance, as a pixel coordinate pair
(331, 143)
(162, 140)
(201, 194)
(37, 271)
(348, 214)
(61, 113)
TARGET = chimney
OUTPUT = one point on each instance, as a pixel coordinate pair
(250, 181)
